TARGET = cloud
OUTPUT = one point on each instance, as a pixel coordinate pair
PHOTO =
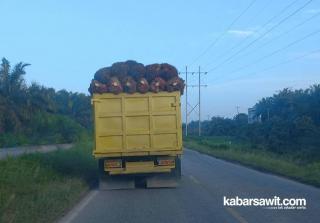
(241, 33)
(312, 11)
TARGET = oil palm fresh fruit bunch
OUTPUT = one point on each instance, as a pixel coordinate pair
(175, 84)
(103, 75)
(168, 71)
(142, 85)
(135, 70)
(158, 84)
(97, 87)
(114, 85)
(119, 70)
(129, 85)
(152, 71)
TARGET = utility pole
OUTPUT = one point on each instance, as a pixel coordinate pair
(186, 100)
(199, 83)
(193, 108)
(237, 107)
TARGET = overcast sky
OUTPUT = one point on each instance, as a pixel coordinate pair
(249, 47)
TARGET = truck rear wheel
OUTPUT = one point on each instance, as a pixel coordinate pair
(101, 168)
(177, 170)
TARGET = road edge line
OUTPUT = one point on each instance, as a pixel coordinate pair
(78, 208)
(236, 215)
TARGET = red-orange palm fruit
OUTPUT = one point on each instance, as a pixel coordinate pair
(129, 85)
(142, 85)
(97, 87)
(158, 84)
(175, 84)
(114, 85)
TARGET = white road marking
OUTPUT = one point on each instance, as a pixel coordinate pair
(78, 208)
(194, 179)
(236, 215)
(231, 211)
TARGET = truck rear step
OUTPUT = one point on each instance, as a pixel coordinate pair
(130, 181)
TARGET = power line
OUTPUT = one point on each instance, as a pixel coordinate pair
(223, 33)
(261, 28)
(275, 52)
(261, 36)
(277, 64)
(282, 34)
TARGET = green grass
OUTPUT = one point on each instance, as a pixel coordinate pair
(229, 149)
(41, 187)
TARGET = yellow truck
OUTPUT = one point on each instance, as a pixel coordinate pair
(138, 138)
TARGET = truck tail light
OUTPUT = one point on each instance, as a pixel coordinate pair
(165, 161)
(113, 163)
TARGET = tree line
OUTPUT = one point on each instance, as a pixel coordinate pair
(33, 114)
(36, 114)
(289, 123)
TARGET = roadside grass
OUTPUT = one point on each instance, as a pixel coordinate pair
(228, 149)
(41, 187)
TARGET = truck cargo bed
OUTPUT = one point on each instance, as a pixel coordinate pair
(137, 124)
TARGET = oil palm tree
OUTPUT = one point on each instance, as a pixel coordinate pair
(12, 81)
(13, 94)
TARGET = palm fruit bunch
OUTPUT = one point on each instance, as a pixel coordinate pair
(136, 70)
(114, 85)
(97, 87)
(152, 71)
(129, 85)
(119, 70)
(175, 84)
(131, 77)
(168, 71)
(158, 84)
(103, 75)
(142, 85)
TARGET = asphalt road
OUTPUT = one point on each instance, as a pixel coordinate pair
(205, 182)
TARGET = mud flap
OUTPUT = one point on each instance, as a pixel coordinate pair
(162, 181)
(116, 183)
(166, 180)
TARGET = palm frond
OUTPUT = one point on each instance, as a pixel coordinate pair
(16, 75)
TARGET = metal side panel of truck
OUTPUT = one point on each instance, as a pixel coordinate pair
(138, 133)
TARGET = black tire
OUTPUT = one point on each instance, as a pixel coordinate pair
(109, 182)
(177, 169)
(102, 173)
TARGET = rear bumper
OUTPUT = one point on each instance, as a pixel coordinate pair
(139, 170)
(140, 153)
(148, 165)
